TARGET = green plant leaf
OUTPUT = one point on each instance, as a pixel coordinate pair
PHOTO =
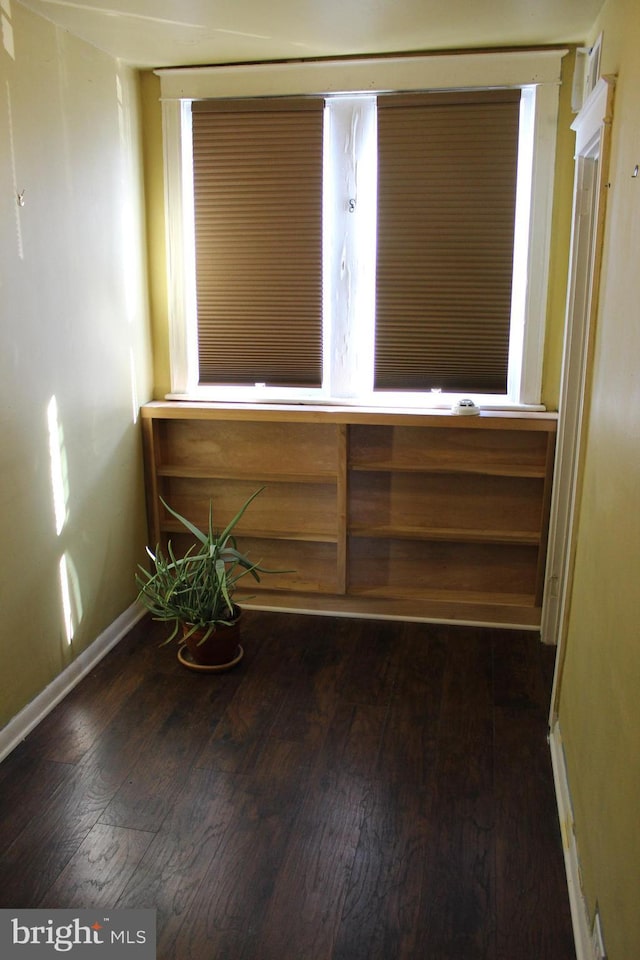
(202, 537)
(229, 527)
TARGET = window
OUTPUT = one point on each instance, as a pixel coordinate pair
(447, 165)
(358, 247)
(257, 191)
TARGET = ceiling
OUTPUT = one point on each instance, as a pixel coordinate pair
(161, 33)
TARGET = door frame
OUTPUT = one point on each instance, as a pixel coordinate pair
(593, 143)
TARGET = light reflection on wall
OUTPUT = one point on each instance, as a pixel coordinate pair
(70, 593)
(69, 581)
(135, 399)
(58, 460)
(65, 593)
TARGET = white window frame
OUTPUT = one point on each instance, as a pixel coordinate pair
(537, 73)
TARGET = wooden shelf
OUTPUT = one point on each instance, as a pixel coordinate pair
(402, 514)
(173, 527)
(470, 597)
(488, 470)
(508, 453)
(446, 534)
(255, 477)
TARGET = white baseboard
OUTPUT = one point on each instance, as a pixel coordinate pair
(579, 911)
(29, 717)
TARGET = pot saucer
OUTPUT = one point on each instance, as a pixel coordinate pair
(185, 658)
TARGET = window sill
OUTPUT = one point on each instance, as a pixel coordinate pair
(417, 403)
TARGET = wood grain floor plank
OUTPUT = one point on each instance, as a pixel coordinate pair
(175, 864)
(457, 888)
(354, 740)
(157, 776)
(239, 736)
(466, 712)
(306, 711)
(527, 828)
(26, 785)
(99, 870)
(48, 841)
(246, 723)
(305, 905)
(457, 917)
(381, 912)
(529, 874)
(354, 790)
(30, 865)
(224, 915)
(372, 655)
(409, 743)
(75, 724)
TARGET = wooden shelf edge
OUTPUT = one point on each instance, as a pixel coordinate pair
(173, 527)
(193, 473)
(505, 537)
(461, 597)
(515, 473)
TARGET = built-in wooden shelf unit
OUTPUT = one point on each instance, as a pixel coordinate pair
(423, 515)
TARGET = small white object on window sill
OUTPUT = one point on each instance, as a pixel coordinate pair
(465, 408)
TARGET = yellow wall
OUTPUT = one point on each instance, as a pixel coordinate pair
(600, 693)
(74, 326)
(156, 227)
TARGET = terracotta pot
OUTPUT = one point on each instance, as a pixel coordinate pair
(221, 650)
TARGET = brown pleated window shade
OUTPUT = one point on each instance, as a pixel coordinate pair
(446, 205)
(257, 169)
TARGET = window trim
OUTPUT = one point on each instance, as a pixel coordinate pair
(537, 70)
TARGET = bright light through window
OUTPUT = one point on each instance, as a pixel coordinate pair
(349, 213)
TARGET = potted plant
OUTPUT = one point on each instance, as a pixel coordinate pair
(195, 592)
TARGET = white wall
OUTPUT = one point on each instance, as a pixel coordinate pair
(74, 326)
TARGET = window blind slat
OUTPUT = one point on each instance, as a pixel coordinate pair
(257, 169)
(446, 206)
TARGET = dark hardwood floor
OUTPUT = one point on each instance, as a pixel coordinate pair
(353, 790)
